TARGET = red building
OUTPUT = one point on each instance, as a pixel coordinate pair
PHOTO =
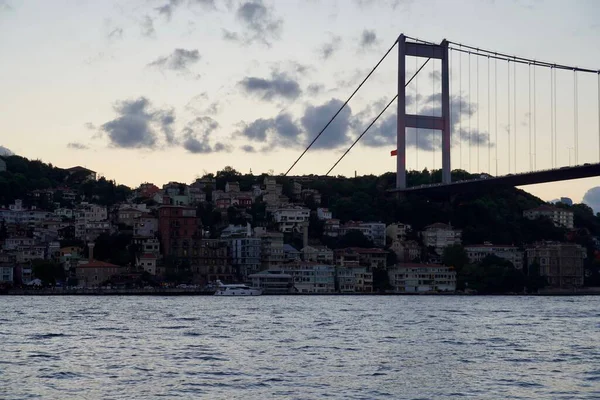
(179, 230)
(147, 190)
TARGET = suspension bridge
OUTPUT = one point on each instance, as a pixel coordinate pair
(509, 120)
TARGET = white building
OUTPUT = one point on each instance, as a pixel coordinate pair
(422, 278)
(324, 214)
(64, 212)
(291, 218)
(272, 282)
(331, 227)
(440, 236)
(311, 278)
(14, 243)
(559, 216)
(147, 262)
(245, 254)
(145, 226)
(92, 212)
(478, 252)
(397, 231)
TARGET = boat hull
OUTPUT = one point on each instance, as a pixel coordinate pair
(238, 292)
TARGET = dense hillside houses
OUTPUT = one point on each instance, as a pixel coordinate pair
(298, 234)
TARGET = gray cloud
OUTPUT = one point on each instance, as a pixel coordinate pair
(315, 88)
(368, 39)
(5, 6)
(5, 151)
(284, 131)
(147, 26)
(196, 136)
(136, 125)
(231, 36)
(115, 34)
(77, 146)
(274, 132)
(436, 76)
(179, 60)
(169, 8)
(278, 86)
(248, 149)
(337, 134)
(90, 126)
(329, 48)
(258, 22)
(592, 198)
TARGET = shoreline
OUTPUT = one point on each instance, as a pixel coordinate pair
(186, 292)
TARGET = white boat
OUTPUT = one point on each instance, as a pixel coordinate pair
(236, 290)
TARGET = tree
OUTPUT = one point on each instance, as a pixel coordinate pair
(455, 256)
(354, 238)
(48, 272)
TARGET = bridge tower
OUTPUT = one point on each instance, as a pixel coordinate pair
(404, 121)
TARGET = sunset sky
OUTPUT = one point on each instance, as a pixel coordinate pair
(162, 90)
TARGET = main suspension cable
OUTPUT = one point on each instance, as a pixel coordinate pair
(375, 120)
(342, 107)
(508, 110)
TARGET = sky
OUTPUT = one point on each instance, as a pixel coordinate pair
(163, 90)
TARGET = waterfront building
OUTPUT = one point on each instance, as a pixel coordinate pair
(244, 253)
(363, 257)
(560, 263)
(273, 282)
(559, 216)
(478, 252)
(6, 274)
(311, 277)
(271, 248)
(422, 278)
(147, 262)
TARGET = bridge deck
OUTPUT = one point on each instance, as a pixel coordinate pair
(523, 179)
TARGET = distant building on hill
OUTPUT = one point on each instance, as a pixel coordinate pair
(440, 236)
(88, 173)
(559, 216)
(478, 252)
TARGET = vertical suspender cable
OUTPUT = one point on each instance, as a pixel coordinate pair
(576, 119)
(515, 115)
(555, 123)
(488, 118)
(496, 107)
(575, 116)
(450, 76)
(477, 99)
(534, 125)
(433, 133)
(470, 109)
(460, 108)
(417, 113)
(529, 115)
(552, 116)
(599, 116)
(508, 110)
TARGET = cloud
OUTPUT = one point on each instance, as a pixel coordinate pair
(368, 39)
(115, 34)
(90, 126)
(5, 6)
(4, 151)
(278, 86)
(329, 48)
(77, 146)
(315, 88)
(179, 60)
(248, 149)
(436, 76)
(337, 134)
(231, 36)
(196, 136)
(137, 123)
(259, 24)
(169, 7)
(592, 198)
(284, 131)
(147, 26)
